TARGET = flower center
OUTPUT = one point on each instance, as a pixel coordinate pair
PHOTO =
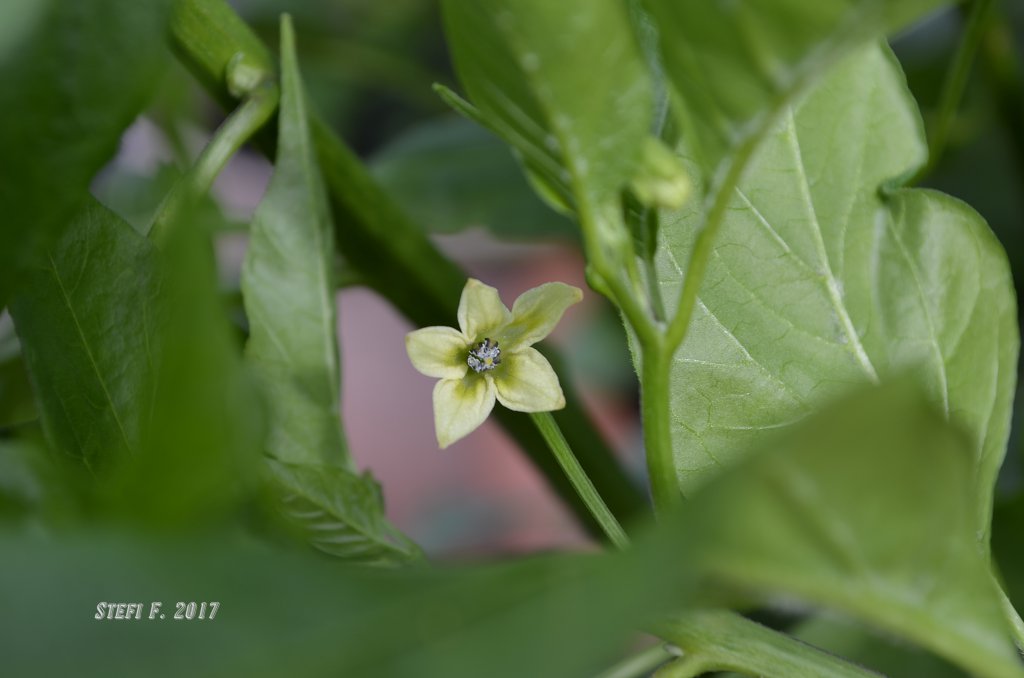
(486, 356)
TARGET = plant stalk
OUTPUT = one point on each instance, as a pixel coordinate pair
(639, 664)
(656, 363)
(578, 477)
(612, 283)
(254, 112)
(697, 264)
(720, 640)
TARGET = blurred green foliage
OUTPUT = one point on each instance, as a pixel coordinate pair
(134, 437)
(426, 166)
(287, 611)
(75, 76)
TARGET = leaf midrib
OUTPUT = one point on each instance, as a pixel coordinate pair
(366, 533)
(831, 285)
(88, 351)
(319, 227)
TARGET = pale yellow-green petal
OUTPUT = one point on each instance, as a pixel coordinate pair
(480, 310)
(536, 312)
(460, 405)
(525, 382)
(438, 352)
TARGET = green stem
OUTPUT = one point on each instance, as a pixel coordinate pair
(656, 362)
(720, 640)
(639, 664)
(578, 477)
(700, 256)
(1009, 611)
(611, 282)
(254, 111)
(1013, 617)
(689, 666)
(955, 84)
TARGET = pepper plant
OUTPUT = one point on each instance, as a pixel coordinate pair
(825, 353)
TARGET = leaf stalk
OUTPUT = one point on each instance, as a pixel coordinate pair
(245, 121)
(548, 428)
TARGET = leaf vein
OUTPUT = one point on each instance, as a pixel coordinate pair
(88, 352)
(835, 296)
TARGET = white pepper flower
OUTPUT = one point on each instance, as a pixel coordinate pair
(490, 357)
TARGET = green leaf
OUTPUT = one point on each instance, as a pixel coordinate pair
(340, 513)
(74, 78)
(716, 640)
(529, 67)
(88, 327)
(134, 371)
(292, 614)
(788, 522)
(289, 293)
(202, 442)
(289, 298)
(454, 175)
(735, 66)
(881, 527)
(818, 282)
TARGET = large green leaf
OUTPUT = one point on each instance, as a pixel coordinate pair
(881, 527)
(88, 323)
(76, 76)
(134, 371)
(285, 614)
(293, 345)
(894, 549)
(453, 175)
(735, 66)
(201, 445)
(289, 293)
(818, 282)
(563, 82)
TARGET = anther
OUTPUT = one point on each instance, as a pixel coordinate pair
(485, 357)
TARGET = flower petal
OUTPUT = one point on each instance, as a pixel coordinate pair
(526, 383)
(460, 405)
(480, 310)
(536, 312)
(438, 352)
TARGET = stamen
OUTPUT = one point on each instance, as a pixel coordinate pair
(486, 356)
